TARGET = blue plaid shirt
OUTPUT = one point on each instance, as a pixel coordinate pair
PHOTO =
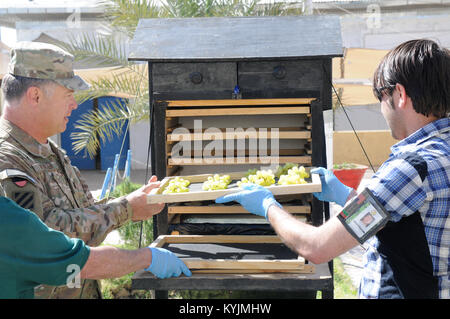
(399, 188)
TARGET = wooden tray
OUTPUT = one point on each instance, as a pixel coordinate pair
(197, 194)
(192, 257)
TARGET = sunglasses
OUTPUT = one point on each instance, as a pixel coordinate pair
(378, 92)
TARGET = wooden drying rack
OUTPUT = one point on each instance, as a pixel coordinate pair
(176, 109)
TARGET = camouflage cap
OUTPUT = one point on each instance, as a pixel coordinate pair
(45, 61)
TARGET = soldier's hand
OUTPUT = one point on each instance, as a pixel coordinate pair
(138, 201)
(166, 264)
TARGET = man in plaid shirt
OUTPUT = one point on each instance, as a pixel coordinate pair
(408, 254)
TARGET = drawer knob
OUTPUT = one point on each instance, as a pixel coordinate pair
(196, 77)
(279, 72)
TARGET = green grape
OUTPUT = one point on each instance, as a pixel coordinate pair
(261, 177)
(244, 180)
(177, 185)
(216, 182)
(295, 175)
(282, 170)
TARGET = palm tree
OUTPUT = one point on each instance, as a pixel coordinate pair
(129, 79)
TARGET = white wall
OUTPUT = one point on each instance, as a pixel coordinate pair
(139, 136)
(60, 30)
(389, 29)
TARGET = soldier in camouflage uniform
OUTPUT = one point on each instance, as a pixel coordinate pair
(37, 174)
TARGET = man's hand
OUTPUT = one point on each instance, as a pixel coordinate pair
(138, 201)
(165, 264)
(254, 198)
(332, 188)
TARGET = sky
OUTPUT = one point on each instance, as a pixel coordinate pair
(46, 3)
(8, 36)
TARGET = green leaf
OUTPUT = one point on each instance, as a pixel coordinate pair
(104, 124)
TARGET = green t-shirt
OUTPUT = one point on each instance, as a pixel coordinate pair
(32, 254)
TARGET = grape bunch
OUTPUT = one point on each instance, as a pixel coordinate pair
(261, 177)
(295, 175)
(283, 170)
(216, 182)
(177, 185)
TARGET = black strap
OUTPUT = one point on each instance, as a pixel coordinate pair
(407, 268)
(406, 259)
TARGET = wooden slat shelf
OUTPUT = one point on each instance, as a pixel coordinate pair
(196, 192)
(238, 160)
(229, 209)
(174, 137)
(246, 152)
(304, 127)
(248, 265)
(306, 269)
(238, 111)
(223, 218)
(232, 239)
(239, 102)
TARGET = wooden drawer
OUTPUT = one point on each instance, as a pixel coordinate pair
(215, 79)
(272, 79)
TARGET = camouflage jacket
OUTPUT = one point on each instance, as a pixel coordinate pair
(66, 203)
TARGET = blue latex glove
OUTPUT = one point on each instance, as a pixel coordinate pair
(254, 198)
(332, 188)
(165, 264)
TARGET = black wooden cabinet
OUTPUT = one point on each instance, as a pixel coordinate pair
(282, 68)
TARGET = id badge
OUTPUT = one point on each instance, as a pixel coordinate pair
(364, 216)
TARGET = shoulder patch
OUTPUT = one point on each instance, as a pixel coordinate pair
(21, 188)
(24, 199)
(18, 177)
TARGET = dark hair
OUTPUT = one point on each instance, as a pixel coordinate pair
(14, 86)
(423, 68)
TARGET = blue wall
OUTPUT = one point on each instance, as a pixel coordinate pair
(108, 149)
(79, 160)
